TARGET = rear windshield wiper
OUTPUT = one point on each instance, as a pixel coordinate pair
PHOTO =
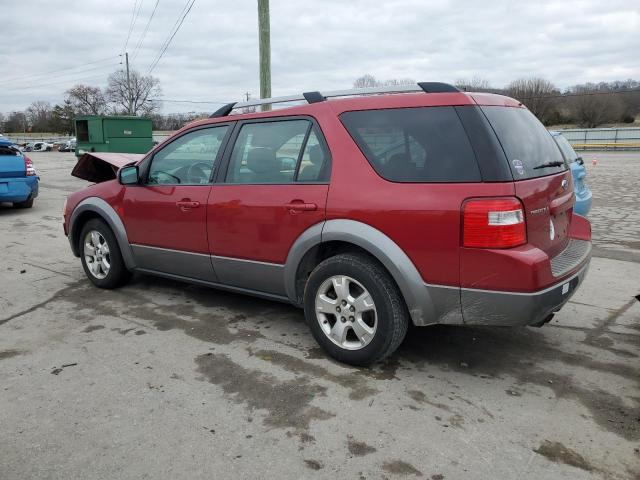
(549, 164)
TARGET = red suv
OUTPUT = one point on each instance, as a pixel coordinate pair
(369, 208)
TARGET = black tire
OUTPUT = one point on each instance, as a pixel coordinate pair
(118, 274)
(25, 204)
(392, 314)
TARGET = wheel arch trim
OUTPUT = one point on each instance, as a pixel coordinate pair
(109, 215)
(377, 244)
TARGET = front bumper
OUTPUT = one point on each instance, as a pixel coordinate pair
(487, 307)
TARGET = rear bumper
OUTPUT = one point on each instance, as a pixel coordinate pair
(18, 189)
(487, 307)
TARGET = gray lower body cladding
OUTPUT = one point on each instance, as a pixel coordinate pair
(485, 307)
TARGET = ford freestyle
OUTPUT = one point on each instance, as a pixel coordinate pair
(371, 209)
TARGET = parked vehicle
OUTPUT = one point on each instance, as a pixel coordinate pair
(18, 177)
(469, 223)
(68, 146)
(42, 147)
(578, 172)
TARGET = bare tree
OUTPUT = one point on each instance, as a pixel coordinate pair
(87, 100)
(39, 115)
(367, 81)
(394, 82)
(137, 95)
(591, 107)
(537, 94)
(1, 122)
(16, 122)
(474, 84)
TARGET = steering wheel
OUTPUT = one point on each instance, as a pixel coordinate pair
(196, 176)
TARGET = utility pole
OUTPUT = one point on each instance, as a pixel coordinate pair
(126, 57)
(247, 95)
(264, 36)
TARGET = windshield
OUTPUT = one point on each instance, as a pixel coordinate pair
(529, 147)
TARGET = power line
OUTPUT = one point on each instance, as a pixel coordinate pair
(134, 18)
(191, 101)
(186, 10)
(64, 74)
(144, 33)
(583, 94)
(560, 95)
(32, 75)
(68, 80)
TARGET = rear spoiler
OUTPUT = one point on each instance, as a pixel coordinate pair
(100, 167)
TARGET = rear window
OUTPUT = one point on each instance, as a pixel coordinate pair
(567, 150)
(426, 144)
(529, 147)
(9, 150)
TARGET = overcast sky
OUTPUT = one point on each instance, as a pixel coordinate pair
(315, 44)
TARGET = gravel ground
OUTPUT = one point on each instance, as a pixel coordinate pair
(166, 380)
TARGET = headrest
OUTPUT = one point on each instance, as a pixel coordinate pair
(315, 155)
(262, 160)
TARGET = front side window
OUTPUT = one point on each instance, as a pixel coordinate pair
(277, 152)
(427, 144)
(189, 159)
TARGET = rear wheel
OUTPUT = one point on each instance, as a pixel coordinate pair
(25, 204)
(354, 309)
(101, 257)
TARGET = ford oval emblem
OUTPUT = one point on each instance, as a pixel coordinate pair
(564, 184)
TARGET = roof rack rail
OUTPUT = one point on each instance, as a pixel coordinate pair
(315, 97)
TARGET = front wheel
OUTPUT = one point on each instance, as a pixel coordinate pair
(354, 309)
(101, 257)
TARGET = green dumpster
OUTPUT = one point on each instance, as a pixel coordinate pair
(95, 133)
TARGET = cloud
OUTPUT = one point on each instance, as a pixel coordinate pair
(315, 44)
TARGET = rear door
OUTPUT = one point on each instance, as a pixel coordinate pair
(542, 177)
(273, 188)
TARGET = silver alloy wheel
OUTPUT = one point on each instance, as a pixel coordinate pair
(96, 254)
(346, 312)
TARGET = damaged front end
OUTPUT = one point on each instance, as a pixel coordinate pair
(100, 167)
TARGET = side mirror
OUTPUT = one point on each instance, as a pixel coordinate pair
(580, 161)
(128, 175)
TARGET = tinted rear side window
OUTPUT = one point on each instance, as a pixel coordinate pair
(425, 144)
(528, 146)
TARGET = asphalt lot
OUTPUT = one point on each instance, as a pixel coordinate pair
(166, 380)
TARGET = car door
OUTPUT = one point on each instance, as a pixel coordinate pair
(273, 187)
(165, 215)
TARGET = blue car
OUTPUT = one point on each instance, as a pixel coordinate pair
(578, 172)
(18, 177)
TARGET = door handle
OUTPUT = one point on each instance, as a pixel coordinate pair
(295, 206)
(187, 204)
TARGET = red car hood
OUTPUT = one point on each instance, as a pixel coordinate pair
(100, 166)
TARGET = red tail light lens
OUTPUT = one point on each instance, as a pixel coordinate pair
(28, 166)
(493, 223)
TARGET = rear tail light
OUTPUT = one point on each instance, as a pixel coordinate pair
(28, 165)
(493, 223)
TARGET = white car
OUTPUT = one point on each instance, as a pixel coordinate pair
(42, 147)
